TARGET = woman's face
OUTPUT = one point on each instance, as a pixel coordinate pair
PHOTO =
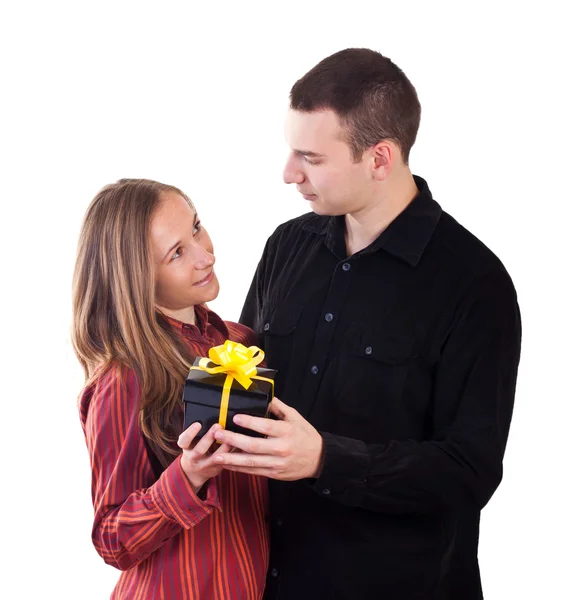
(184, 258)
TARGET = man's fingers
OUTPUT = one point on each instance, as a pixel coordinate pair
(251, 445)
(249, 461)
(281, 410)
(259, 472)
(186, 438)
(261, 425)
(237, 440)
(222, 449)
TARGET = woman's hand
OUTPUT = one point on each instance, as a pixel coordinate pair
(197, 462)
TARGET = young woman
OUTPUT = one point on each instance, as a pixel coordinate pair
(172, 520)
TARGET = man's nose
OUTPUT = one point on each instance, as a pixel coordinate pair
(292, 172)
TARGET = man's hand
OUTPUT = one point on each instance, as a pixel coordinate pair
(292, 450)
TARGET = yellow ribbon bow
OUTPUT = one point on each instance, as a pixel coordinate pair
(238, 362)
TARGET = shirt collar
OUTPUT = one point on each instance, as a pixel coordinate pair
(200, 324)
(406, 237)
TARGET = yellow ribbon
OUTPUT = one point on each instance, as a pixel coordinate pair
(238, 362)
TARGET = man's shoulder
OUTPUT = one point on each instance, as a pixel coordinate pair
(295, 233)
(463, 250)
(308, 223)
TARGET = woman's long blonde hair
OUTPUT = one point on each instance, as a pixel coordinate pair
(115, 319)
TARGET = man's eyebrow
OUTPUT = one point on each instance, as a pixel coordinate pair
(308, 153)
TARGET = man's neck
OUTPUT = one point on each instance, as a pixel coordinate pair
(365, 226)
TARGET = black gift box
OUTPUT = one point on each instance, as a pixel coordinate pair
(203, 393)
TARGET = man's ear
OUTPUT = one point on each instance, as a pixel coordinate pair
(384, 154)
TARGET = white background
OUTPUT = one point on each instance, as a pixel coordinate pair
(195, 96)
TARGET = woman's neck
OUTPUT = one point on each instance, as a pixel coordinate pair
(186, 315)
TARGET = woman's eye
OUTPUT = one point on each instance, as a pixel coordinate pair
(197, 227)
(177, 253)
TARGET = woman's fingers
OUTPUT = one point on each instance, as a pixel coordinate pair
(205, 447)
(204, 444)
(186, 438)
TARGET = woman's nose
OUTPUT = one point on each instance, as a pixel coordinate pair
(203, 259)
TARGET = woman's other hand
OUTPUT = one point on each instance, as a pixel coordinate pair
(198, 461)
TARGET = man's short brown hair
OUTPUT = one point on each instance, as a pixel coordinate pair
(372, 97)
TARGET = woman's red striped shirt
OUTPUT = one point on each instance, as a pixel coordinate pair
(169, 543)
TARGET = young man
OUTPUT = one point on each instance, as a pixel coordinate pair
(396, 335)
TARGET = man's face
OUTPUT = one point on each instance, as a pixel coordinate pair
(321, 165)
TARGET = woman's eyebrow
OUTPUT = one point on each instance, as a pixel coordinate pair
(195, 219)
(172, 248)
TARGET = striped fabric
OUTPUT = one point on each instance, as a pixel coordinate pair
(169, 543)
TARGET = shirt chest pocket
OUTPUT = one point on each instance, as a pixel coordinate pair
(373, 370)
(277, 338)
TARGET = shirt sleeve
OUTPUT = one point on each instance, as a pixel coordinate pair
(474, 389)
(135, 513)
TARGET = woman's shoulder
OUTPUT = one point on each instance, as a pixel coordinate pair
(111, 384)
(115, 374)
(237, 332)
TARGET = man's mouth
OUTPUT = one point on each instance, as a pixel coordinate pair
(309, 196)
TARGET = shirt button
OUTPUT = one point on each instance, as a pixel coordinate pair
(326, 492)
(279, 522)
(369, 350)
(314, 370)
(266, 326)
(274, 572)
(346, 266)
(329, 317)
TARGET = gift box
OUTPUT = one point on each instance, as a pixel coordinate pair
(225, 384)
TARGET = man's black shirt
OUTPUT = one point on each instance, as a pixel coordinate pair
(404, 356)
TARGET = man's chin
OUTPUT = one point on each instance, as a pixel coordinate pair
(323, 211)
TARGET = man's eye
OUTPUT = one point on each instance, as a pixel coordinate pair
(197, 227)
(310, 162)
